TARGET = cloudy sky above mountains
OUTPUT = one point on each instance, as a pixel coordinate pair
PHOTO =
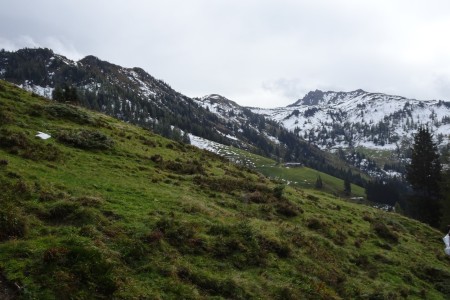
(262, 53)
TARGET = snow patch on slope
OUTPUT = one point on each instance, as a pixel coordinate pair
(46, 91)
(205, 144)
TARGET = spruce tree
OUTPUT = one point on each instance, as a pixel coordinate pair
(347, 186)
(319, 183)
(424, 174)
(58, 94)
(445, 189)
(347, 181)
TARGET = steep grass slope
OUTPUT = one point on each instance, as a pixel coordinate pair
(299, 176)
(104, 209)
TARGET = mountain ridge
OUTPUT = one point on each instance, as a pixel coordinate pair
(351, 119)
(133, 95)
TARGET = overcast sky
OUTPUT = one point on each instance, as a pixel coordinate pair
(264, 53)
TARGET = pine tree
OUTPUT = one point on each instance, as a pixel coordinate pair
(58, 94)
(319, 183)
(424, 175)
(347, 186)
(186, 138)
(445, 189)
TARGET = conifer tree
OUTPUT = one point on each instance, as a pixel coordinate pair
(424, 174)
(58, 94)
(319, 183)
(347, 186)
(445, 189)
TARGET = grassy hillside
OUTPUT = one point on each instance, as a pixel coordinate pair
(302, 177)
(104, 209)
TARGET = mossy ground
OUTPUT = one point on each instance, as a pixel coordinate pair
(135, 216)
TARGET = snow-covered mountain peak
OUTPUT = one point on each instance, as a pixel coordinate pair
(359, 118)
(320, 98)
(215, 99)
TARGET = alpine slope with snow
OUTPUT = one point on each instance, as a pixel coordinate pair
(134, 96)
(354, 121)
(320, 121)
(359, 118)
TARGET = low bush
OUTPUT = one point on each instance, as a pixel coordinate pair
(229, 184)
(40, 151)
(384, 232)
(71, 212)
(85, 139)
(133, 250)
(90, 201)
(61, 210)
(156, 158)
(281, 249)
(12, 223)
(148, 142)
(213, 284)
(439, 277)
(312, 198)
(69, 113)
(278, 191)
(339, 237)
(288, 209)
(184, 168)
(180, 234)
(6, 117)
(242, 246)
(315, 224)
(10, 139)
(19, 143)
(81, 270)
(255, 197)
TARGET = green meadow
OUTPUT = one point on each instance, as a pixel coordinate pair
(107, 210)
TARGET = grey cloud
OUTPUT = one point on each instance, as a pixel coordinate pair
(290, 88)
(232, 46)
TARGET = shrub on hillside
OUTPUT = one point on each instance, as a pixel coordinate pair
(10, 139)
(6, 117)
(241, 245)
(255, 197)
(383, 231)
(180, 234)
(184, 168)
(82, 271)
(69, 113)
(156, 158)
(12, 223)
(85, 139)
(19, 143)
(3, 162)
(75, 212)
(213, 284)
(278, 191)
(229, 184)
(288, 209)
(315, 224)
(61, 210)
